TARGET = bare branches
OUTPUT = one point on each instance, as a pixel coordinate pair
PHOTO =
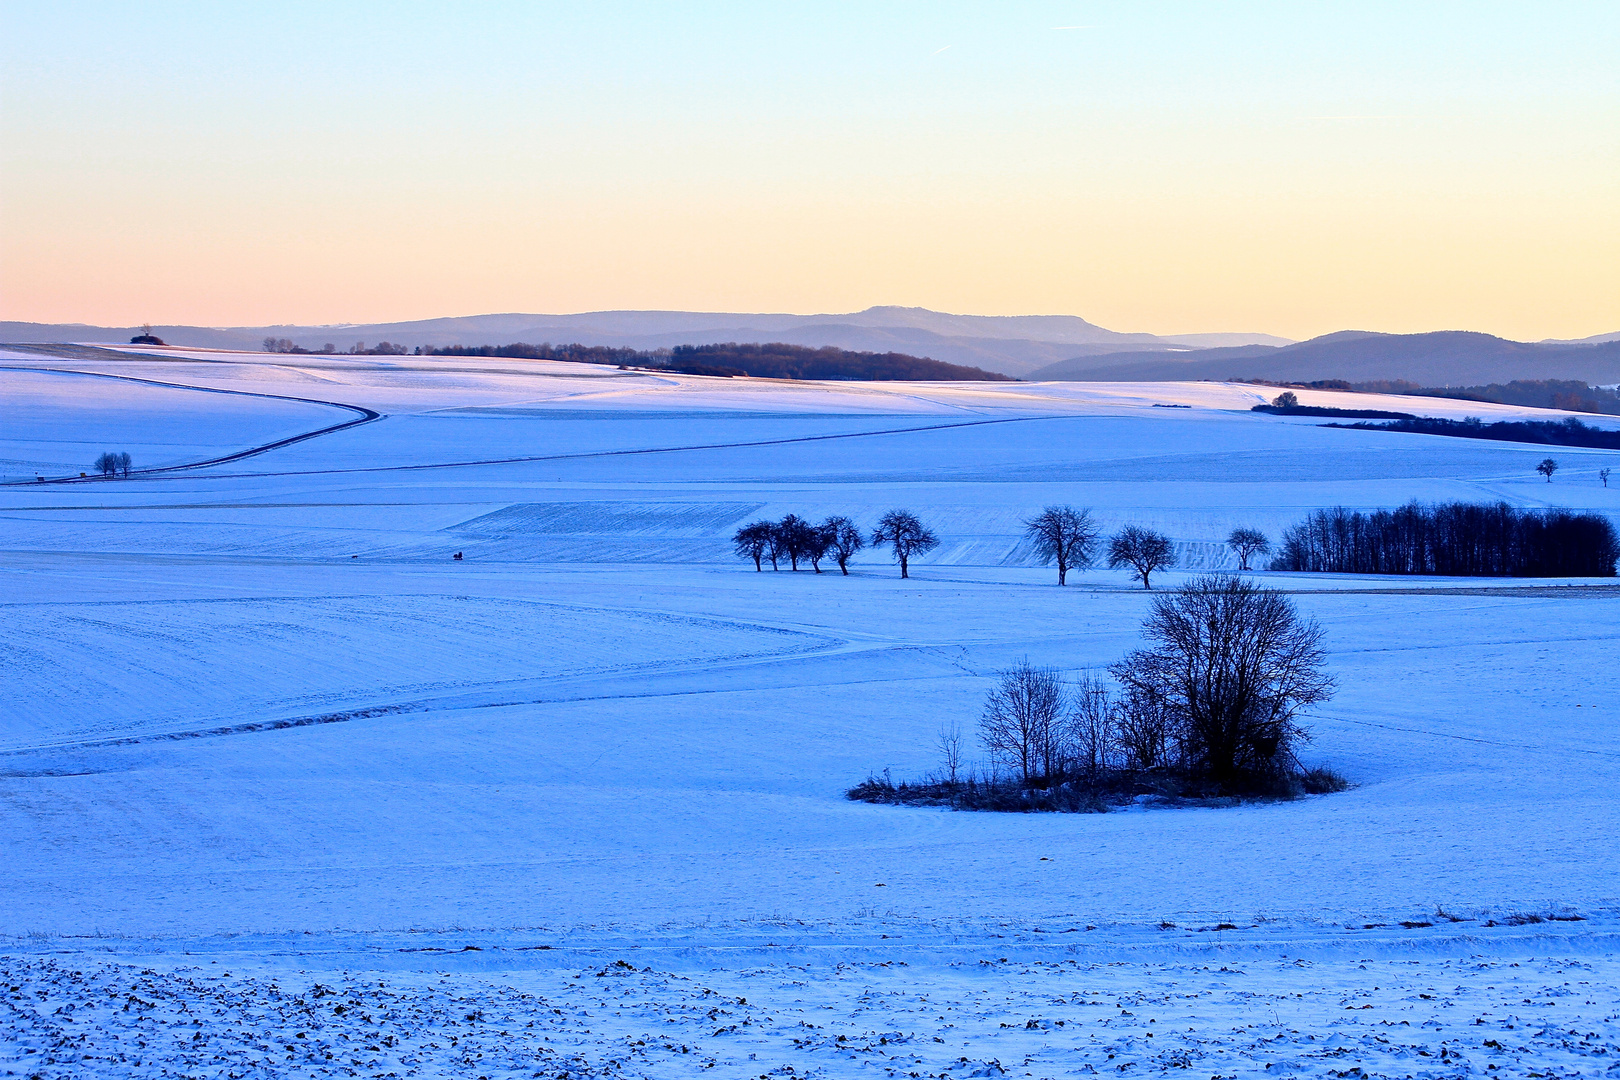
(843, 540)
(1248, 543)
(1022, 721)
(1144, 550)
(1233, 664)
(901, 530)
(1064, 535)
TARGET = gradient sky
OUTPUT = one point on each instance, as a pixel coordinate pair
(1294, 168)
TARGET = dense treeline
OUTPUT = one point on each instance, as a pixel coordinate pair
(575, 353)
(1571, 395)
(778, 361)
(1453, 539)
(768, 361)
(1566, 432)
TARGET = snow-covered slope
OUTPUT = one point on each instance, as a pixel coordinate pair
(256, 713)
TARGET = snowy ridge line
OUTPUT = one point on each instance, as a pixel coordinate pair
(571, 457)
(366, 417)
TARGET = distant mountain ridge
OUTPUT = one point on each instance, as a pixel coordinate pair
(1009, 344)
(1443, 358)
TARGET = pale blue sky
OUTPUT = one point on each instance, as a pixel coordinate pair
(1294, 168)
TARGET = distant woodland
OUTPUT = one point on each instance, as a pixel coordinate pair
(770, 361)
(1570, 395)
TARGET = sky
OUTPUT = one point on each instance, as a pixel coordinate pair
(1291, 168)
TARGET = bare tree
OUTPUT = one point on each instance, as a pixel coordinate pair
(950, 749)
(1233, 664)
(1603, 475)
(1022, 719)
(1065, 535)
(1091, 725)
(901, 530)
(752, 541)
(818, 541)
(1142, 726)
(1144, 550)
(1547, 467)
(794, 537)
(124, 462)
(107, 464)
(1248, 543)
(843, 540)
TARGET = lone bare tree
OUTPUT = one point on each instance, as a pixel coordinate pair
(1232, 664)
(843, 540)
(1285, 400)
(1603, 475)
(1022, 721)
(752, 541)
(1248, 543)
(1143, 550)
(901, 530)
(950, 749)
(1547, 467)
(1065, 535)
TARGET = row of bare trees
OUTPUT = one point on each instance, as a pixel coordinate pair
(795, 540)
(114, 463)
(1214, 693)
(1071, 538)
(1061, 534)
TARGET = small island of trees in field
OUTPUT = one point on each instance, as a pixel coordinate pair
(1207, 709)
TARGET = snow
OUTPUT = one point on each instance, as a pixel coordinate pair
(256, 720)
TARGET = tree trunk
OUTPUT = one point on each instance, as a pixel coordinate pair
(903, 572)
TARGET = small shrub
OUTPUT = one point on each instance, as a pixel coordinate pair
(1322, 781)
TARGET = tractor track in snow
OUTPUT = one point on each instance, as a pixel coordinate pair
(366, 416)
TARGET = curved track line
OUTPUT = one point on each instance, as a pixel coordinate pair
(366, 417)
(592, 453)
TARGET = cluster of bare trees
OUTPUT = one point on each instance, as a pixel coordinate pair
(114, 463)
(1210, 701)
(1214, 693)
(1070, 538)
(1063, 535)
(794, 540)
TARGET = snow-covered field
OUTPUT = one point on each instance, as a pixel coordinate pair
(309, 797)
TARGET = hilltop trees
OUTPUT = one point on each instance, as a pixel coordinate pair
(901, 530)
(1143, 550)
(1065, 535)
(1248, 543)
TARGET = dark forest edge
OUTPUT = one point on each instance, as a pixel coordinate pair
(1568, 395)
(1453, 540)
(773, 360)
(1567, 432)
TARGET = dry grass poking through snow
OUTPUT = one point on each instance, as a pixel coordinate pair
(974, 1017)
